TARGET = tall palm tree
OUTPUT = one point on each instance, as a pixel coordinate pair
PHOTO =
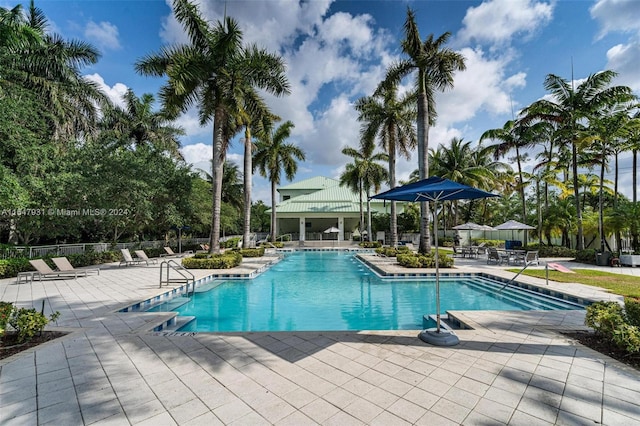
(389, 118)
(50, 66)
(204, 74)
(460, 162)
(435, 66)
(364, 174)
(569, 109)
(272, 156)
(138, 124)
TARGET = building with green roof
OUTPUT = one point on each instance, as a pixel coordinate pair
(308, 208)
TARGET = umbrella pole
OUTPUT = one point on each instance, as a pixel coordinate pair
(438, 337)
(435, 231)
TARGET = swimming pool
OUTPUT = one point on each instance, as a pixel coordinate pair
(331, 290)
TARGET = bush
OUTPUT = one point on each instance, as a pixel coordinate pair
(214, 261)
(231, 242)
(28, 322)
(586, 256)
(632, 309)
(370, 244)
(610, 320)
(552, 251)
(277, 244)
(255, 252)
(90, 258)
(487, 242)
(411, 260)
(5, 313)
(11, 267)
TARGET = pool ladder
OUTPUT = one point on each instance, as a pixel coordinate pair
(186, 277)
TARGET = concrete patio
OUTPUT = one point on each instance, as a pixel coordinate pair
(513, 368)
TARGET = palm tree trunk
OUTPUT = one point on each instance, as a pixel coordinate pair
(369, 214)
(576, 193)
(601, 201)
(423, 161)
(392, 184)
(217, 166)
(273, 211)
(521, 188)
(361, 224)
(248, 168)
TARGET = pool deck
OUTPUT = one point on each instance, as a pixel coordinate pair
(513, 368)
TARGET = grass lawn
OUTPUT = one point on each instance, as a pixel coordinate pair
(625, 285)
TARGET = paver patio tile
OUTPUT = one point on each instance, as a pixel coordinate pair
(17, 409)
(494, 410)
(451, 410)
(320, 410)
(296, 419)
(407, 410)
(431, 418)
(387, 419)
(538, 409)
(520, 418)
(140, 412)
(188, 411)
(207, 419)
(380, 397)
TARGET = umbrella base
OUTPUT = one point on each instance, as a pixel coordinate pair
(443, 338)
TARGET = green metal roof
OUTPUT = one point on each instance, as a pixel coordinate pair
(318, 182)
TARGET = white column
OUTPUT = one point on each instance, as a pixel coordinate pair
(302, 229)
(341, 228)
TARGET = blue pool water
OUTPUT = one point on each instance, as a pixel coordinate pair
(333, 290)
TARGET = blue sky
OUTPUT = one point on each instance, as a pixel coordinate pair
(338, 51)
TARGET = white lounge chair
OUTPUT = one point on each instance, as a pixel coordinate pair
(44, 271)
(63, 265)
(143, 256)
(127, 259)
(170, 252)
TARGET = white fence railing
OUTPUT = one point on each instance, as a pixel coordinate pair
(32, 252)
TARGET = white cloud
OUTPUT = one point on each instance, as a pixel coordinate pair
(498, 21)
(114, 93)
(483, 85)
(103, 34)
(624, 59)
(617, 15)
(197, 152)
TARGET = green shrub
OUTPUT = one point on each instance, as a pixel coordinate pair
(11, 267)
(230, 243)
(370, 244)
(412, 260)
(28, 322)
(255, 252)
(487, 242)
(5, 313)
(632, 309)
(226, 260)
(609, 320)
(277, 244)
(90, 258)
(586, 256)
(552, 251)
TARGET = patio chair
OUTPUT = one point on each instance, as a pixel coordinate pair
(531, 257)
(44, 271)
(63, 265)
(127, 259)
(142, 255)
(493, 256)
(170, 252)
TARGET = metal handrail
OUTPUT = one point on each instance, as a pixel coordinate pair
(526, 264)
(172, 264)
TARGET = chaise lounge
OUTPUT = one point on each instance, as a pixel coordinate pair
(63, 265)
(43, 271)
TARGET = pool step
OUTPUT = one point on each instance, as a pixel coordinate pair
(522, 297)
(169, 305)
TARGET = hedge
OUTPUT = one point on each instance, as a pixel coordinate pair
(411, 260)
(226, 260)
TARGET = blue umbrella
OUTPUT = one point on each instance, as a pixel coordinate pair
(435, 189)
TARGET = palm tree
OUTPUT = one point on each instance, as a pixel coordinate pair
(206, 73)
(516, 136)
(435, 66)
(460, 162)
(138, 124)
(50, 66)
(570, 110)
(274, 155)
(364, 174)
(389, 118)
